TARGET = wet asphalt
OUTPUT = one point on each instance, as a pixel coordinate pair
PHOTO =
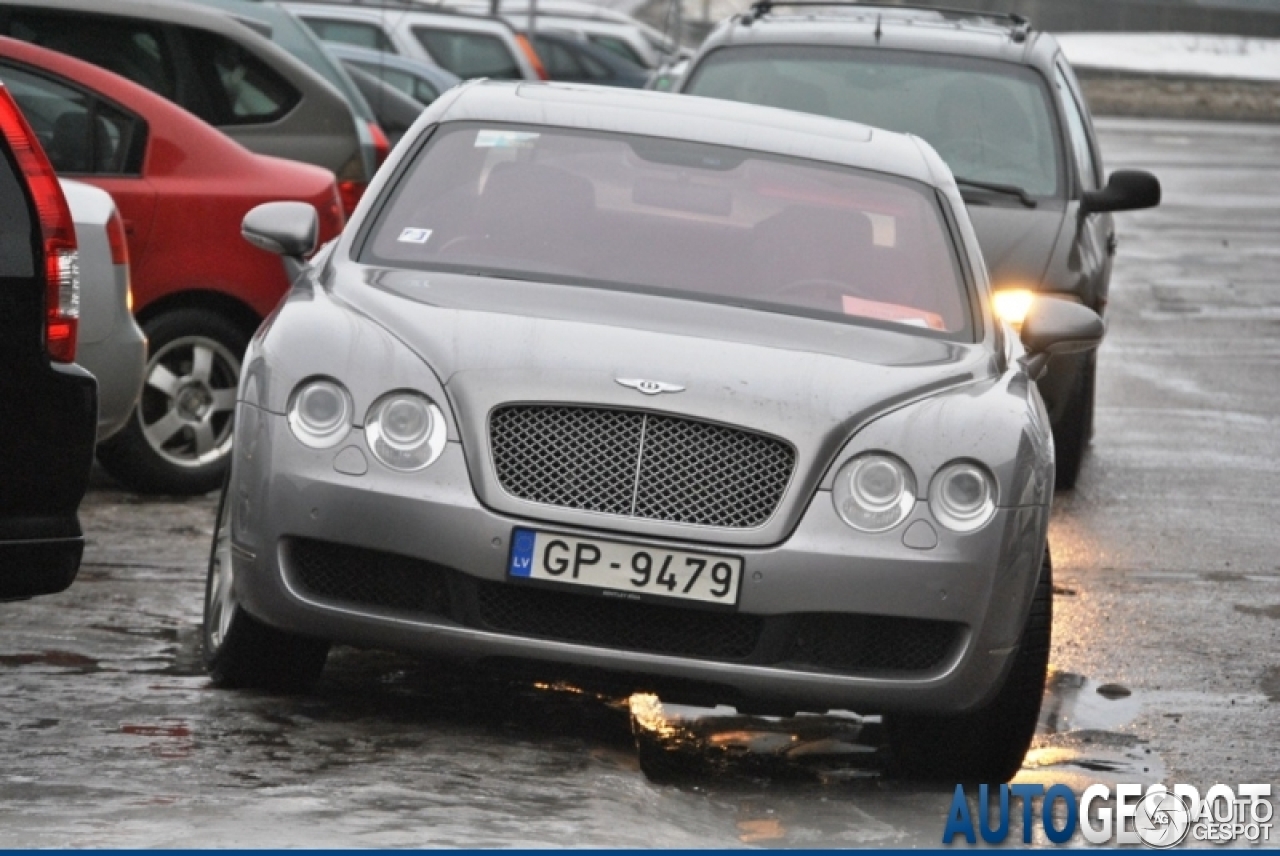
(1166, 662)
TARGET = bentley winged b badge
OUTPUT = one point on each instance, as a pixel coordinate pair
(649, 387)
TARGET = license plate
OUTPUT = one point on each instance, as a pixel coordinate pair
(629, 571)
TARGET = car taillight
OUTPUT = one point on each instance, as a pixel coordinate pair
(532, 55)
(116, 240)
(62, 260)
(352, 180)
(350, 192)
(381, 145)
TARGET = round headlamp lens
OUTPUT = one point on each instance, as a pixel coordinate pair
(963, 496)
(874, 492)
(405, 431)
(406, 422)
(320, 413)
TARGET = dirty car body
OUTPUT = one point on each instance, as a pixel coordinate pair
(631, 450)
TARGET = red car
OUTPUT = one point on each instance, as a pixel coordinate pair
(199, 289)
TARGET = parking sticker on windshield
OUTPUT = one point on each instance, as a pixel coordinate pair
(414, 236)
(505, 139)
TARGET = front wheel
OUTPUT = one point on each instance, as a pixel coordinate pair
(178, 439)
(239, 650)
(987, 744)
(1072, 435)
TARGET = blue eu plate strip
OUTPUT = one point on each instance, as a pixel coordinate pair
(522, 541)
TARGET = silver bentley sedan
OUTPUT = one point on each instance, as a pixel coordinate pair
(668, 393)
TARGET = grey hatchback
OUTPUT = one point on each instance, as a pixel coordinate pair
(999, 102)
(587, 384)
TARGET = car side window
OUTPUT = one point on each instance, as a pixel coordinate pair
(469, 55)
(1080, 145)
(241, 88)
(596, 70)
(618, 46)
(412, 85)
(424, 91)
(81, 133)
(130, 48)
(357, 33)
(559, 62)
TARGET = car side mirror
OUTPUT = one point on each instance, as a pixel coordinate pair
(289, 229)
(1055, 326)
(1126, 190)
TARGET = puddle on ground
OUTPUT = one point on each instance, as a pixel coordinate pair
(1075, 738)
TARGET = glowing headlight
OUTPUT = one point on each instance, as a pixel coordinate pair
(320, 413)
(1012, 305)
(963, 496)
(874, 492)
(405, 430)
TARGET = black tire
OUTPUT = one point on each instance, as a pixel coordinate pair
(178, 438)
(1072, 435)
(240, 651)
(986, 745)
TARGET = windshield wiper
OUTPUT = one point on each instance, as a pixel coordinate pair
(1006, 189)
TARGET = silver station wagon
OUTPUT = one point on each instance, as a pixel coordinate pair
(672, 394)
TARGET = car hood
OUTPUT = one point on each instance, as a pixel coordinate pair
(1017, 243)
(812, 383)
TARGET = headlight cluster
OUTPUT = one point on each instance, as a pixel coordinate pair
(874, 492)
(405, 430)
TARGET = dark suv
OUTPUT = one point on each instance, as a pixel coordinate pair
(48, 405)
(998, 101)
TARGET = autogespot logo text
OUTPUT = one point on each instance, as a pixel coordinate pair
(1159, 817)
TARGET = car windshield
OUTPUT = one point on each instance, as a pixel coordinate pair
(990, 121)
(676, 218)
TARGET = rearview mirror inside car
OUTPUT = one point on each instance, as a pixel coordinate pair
(1126, 190)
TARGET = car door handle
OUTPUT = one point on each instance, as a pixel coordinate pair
(1112, 243)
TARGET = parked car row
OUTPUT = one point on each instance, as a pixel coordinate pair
(258, 74)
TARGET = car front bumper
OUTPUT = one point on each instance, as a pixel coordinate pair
(415, 562)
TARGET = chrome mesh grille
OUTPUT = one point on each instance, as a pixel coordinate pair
(637, 464)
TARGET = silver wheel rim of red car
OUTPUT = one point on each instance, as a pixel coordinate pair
(186, 409)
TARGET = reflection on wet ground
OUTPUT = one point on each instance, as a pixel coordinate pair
(392, 750)
(111, 736)
(1075, 738)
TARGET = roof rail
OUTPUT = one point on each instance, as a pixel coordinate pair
(1018, 26)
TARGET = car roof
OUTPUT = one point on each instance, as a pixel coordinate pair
(394, 15)
(975, 34)
(690, 117)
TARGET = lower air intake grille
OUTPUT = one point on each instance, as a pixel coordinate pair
(870, 643)
(337, 572)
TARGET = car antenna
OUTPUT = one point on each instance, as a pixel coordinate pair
(878, 32)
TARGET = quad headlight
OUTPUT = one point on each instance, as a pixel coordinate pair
(962, 496)
(874, 492)
(405, 430)
(320, 413)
